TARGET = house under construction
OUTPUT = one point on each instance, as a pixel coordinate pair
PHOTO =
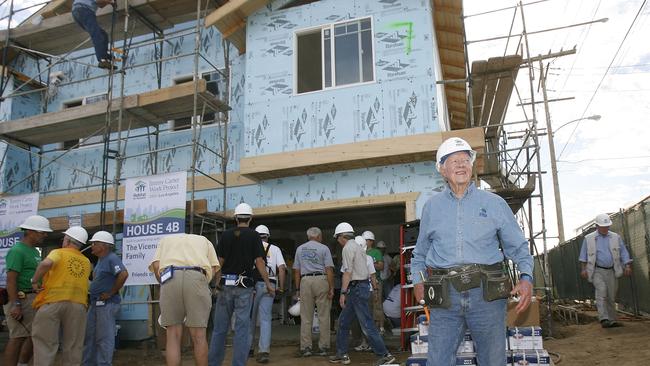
(313, 112)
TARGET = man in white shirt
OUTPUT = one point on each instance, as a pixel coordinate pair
(263, 302)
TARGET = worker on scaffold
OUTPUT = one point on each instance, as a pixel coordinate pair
(83, 12)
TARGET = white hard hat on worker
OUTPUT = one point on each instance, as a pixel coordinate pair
(103, 237)
(36, 223)
(263, 230)
(78, 233)
(343, 228)
(451, 146)
(603, 220)
(243, 209)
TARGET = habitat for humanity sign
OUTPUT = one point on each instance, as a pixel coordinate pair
(154, 207)
(13, 211)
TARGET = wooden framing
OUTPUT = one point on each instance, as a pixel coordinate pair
(230, 19)
(408, 199)
(146, 109)
(397, 150)
(91, 221)
(59, 34)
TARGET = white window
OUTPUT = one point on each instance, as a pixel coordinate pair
(215, 84)
(90, 99)
(334, 55)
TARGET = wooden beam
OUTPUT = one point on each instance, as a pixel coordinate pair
(397, 150)
(238, 26)
(202, 183)
(91, 221)
(407, 199)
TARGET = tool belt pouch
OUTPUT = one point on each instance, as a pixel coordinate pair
(496, 285)
(465, 281)
(436, 292)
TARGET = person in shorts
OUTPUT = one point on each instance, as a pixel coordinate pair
(184, 265)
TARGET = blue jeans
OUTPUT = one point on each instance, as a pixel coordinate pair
(262, 307)
(485, 320)
(237, 300)
(356, 307)
(87, 20)
(99, 342)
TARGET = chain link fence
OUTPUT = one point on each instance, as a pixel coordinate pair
(633, 224)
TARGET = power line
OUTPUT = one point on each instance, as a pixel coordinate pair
(604, 76)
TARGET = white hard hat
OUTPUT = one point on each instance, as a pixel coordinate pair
(343, 227)
(452, 145)
(37, 223)
(294, 310)
(263, 230)
(381, 244)
(361, 241)
(103, 237)
(603, 220)
(78, 233)
(368, 235)
(243, 209)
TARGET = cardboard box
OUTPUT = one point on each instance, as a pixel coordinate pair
(419, 344)
(529, 357)
(525, 338)
(528, 318)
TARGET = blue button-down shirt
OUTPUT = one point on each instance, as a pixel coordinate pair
(457, 231)
(603, 254)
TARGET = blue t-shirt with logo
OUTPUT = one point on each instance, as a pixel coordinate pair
(104, 275)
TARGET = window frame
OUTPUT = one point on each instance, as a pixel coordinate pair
(331, 27)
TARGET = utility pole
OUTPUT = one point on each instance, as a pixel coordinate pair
(551, 149)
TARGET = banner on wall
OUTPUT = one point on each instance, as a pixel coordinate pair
(154, 206)
(13, 211)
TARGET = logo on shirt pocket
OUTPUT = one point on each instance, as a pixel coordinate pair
(482, 212)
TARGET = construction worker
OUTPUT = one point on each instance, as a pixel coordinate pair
(83, 13)
(385, 274)
(377, 295)
(61, 301)
(356, 327)
(459, 241)
(263, 303)
(239, 252)
(21, 262)
(355, 292)
(184, 265)
(109, 276)
(313, 273)
(604, 258)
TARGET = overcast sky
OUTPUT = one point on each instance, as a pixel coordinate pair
(603, 165)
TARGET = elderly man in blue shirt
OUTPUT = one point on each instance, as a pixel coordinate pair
(461, 232)
(604, 258)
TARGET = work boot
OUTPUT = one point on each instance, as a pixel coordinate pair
(263, 357)
(106, 64)
(605, 323)
(305, 352)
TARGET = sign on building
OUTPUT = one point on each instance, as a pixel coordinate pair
(154, 206)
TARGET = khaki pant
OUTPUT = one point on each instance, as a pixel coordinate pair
(65, 315)
(22, 328)
(605, 284)
(313, 291)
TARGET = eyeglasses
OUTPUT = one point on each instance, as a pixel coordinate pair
(459, 162)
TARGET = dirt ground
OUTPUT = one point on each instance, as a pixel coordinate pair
(584, 344)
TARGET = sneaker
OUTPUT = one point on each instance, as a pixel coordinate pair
(262, 357)
(305, 352)
(344, 359)
(322, 352)
(605, 323)
(106, 64)
(387, 359)
(363, 347)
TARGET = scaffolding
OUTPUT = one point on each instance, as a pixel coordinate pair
(115, 118)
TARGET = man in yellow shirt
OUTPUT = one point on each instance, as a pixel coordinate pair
(61, 301)
(184, 265)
